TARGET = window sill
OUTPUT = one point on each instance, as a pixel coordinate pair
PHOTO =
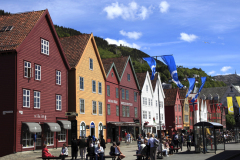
(62, 141)
(58, 110)
(82, 113)
(28, 147)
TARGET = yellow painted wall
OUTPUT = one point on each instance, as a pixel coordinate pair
(186, 124)
(96, 74)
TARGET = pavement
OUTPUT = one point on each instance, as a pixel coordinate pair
(232, 152)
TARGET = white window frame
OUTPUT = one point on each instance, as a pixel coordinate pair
(161, 104)
(161, 117)
(58, 77)
(127, 111)
(144, 101)
(27, 66)
(37, 96)
(93, 86)
(58, 102)
(82, 129)
(28, 138)
(44, 46)
(149, 115)
(90, 63)
(81, 83)
(94, 102)
(27, 98)
(144, 114)
(82, 102)
(156, 103)
(127, 94)
(99, 88)
(108, 109)
(108, 90)
(149, 102)
(37, 72)
(49, 135)
(100, 108)
(62, 134)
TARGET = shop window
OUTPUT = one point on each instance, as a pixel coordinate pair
(62, 135)
(27, 140)
(50, 138)
(39, 139)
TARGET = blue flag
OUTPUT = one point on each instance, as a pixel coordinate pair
(191, 85)
(169, 60)
(203, 79)
(152, 63)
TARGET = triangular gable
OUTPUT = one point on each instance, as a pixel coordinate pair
(160, 85)
(115, 70)
(54, 33)
(149, 82)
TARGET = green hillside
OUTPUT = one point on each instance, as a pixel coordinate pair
(108, 51)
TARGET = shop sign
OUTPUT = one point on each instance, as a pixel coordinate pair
(179, 125)
(136, 120)
(92, 125)
(40, 116)
(112, 101)
(87, 126)
(104, 127)
(127, 104)
(5, 112)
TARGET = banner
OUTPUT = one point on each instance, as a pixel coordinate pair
(191, 85)
(238, 101)
(169, 60)
(152, 64)
(193, 106)
(203, 79)
(230, 105)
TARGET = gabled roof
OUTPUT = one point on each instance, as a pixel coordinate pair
(22, 25)
(213, 91)
(121, 64)
(182, 95)
(108, 67)
(141, 78)
(170, 96)
(74, 47)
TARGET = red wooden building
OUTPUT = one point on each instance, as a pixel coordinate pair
(33, 83)
(173, 111)
(122, 98)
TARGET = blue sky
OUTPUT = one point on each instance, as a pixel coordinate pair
(201, 34)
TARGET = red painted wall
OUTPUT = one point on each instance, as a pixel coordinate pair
(30, 51)
(7, 99)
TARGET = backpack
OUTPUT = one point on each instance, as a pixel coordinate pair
(112, 151)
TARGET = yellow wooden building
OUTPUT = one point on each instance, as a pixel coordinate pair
(186, 110)
(86, 84)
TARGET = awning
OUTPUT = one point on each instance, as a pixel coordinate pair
(149, 126)
(65, 124)
(53, 127)
(32, 127)
(214, 124)
(125, 124)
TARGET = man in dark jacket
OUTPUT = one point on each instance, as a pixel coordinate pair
(102, 142)
(82, 147)
(74, 148)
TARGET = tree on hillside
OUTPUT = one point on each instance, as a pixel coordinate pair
(230, 121)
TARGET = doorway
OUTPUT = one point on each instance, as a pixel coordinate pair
(113, 134)
(92, 126)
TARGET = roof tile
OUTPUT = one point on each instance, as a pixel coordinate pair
(170, 96)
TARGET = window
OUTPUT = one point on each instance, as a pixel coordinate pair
(49, 138)
(156, 116)
(135, 96)
(82, 106)
(108, 109)
(180, 119)
(100, 88)
(161, 116)
(82, 129)
(149, 114)
(26, 98)
(62, 135)
(27, 140)
(135, 112)
(94, 86)
(156, 103)
(127, 95)
(123, 94)
(108, 90)
(117, 110)
(36, 99)
(37, 72)
(90, 63)
(144, 101)
(81, 83)
(112, 74)
(94, 107)
(123, 111)
(117, 93)
(100, 108)
(149, 102)
(100, 130)
(186, 118)
(176, 120)
(58, 102)
(27, 69)
(127, 108)
(128, 77)
(161, 104)
(179, 108)
(144, 114)
(44, 47)
(186, 107)
(175, 107)
(58, 77)
(146, 88)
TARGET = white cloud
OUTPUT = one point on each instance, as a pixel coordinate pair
(225, 68)
(212, 72)
(164, 6)
(130, 12)
(131, 35)
(220, 38)
(122, 42)
(188, 37)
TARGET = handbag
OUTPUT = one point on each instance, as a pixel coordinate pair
(156, 144)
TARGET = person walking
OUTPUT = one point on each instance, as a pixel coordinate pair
(139, 141)
(151, 143)
(74, 148)
(189, 140)
(82, 147)
(176, 140)
(181, 141)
